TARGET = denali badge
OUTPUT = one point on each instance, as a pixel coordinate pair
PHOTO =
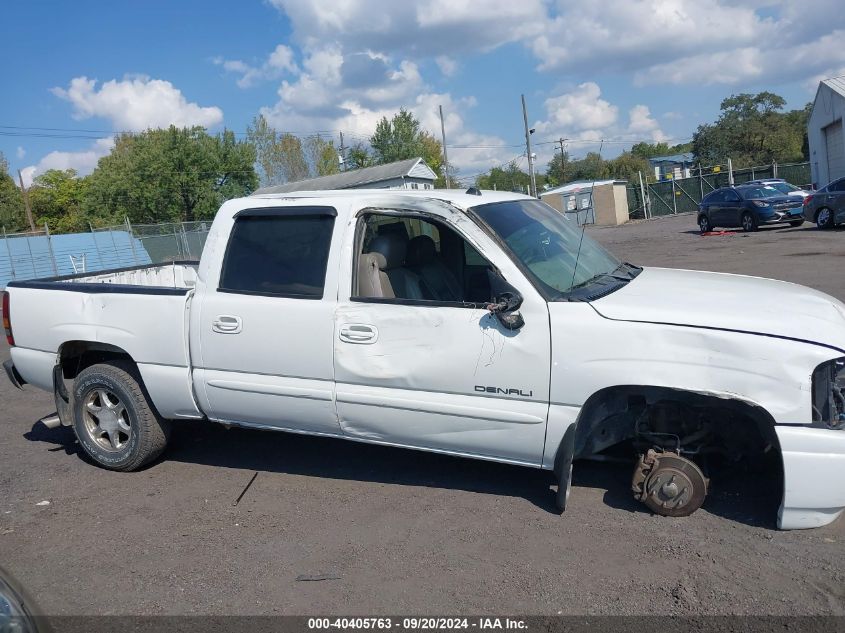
(503, 390)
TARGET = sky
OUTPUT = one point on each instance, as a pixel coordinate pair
(619, 70)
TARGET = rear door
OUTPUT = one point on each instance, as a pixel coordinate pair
(836, 199)
(438, 372)
(714, 204)
(731, 209)
(263, 324)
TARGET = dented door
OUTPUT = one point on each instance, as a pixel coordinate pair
(444, 377)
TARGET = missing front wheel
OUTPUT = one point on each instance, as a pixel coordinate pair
(670, 485)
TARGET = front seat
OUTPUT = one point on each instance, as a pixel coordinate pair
(372, 280)
(405, 284)
(436, 279)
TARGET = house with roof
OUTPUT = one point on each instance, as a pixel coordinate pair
(671, 167)
(824, 132)
(412, 173)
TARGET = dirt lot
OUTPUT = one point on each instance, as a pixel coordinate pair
(399, 531)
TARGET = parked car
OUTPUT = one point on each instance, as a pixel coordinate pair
(781, 185)
(749, 207)
(480, 324)
(826, 207)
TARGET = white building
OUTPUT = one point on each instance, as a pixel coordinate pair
(412, 173)
(824, 132)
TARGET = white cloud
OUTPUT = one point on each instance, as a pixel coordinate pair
(661, 41)
(579, 110)
(447, 65)
(136, 103)
(643, 125)
(278, 63)
(426, 27)
(20, 152)
(83, 161)
(584, 118)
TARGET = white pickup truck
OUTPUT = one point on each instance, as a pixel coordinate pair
(478, 324)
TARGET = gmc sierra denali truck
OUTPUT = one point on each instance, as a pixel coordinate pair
(478, 324)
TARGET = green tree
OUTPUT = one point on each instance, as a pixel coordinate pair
(557, 171)
(507, 178)
(628, 166)
(280, 155)
(321, 156)
(172, 175)
(401, 137)
(57, 198)
(11, 203)
(752, 130)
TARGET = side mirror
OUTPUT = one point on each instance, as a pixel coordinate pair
(506, 302)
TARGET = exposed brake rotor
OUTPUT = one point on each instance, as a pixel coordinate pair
(670, 485)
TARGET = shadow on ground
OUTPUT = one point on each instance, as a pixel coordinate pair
(746, 498)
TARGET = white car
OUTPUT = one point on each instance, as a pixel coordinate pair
(477, 324)
(782, 186)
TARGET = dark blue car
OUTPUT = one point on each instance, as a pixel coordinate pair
(748, 206)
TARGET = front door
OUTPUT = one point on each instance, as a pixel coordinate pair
(419, 360)
(263, 326)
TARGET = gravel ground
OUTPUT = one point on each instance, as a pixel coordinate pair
(396, 531)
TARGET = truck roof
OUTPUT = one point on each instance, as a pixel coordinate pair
(457, 197)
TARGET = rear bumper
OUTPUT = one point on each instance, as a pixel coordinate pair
(813, 476)
(13, 375)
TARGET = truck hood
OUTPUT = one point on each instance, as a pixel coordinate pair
(728, 302)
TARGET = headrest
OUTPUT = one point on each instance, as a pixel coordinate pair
(378, 259)
(393, 247)
(421, 251)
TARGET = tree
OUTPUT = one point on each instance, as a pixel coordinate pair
(321, 156)
(752, 130)
(11, 203)
(628, 166)
(401, 138)
(172, 175)
(509, 178)
(57, 198)
(557, 172)
(279, 155)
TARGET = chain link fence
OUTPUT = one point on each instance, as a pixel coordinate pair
(683, 195)
(40, 254)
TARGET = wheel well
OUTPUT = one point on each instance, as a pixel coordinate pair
(74, 356)
(672, 419)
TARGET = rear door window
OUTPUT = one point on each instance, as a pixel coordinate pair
(278, 255)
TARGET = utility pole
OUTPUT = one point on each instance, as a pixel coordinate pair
(25, 195)
(562, 161)
(342, 160)
(445, 154)
(533, 184)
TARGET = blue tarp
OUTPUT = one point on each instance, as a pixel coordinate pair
(35, 257)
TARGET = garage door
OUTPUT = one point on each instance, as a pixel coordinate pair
(835, 151)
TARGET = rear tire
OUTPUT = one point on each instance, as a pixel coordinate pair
(749, 222)
(824, 218)
(113, 419)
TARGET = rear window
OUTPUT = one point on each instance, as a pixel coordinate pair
(278, 255)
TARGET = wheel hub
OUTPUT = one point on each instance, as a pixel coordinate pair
(106, 420)
(669, 484)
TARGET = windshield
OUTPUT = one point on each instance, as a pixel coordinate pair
(547, 244)
(758, 191)
(784, 187)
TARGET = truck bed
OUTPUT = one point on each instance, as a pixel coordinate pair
(142, 311)
(179, 275)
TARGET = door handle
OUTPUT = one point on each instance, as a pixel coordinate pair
(358, 333)
(225, 324)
